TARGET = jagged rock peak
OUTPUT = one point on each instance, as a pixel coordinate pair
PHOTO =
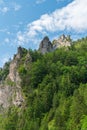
(46, 38)
(28, 59)
(20, 52)
(45, 45)
(10, 90)
(65, 38)
(62, 41)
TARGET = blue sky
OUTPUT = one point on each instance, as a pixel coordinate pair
(26, 22)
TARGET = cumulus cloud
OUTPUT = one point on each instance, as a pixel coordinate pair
(72, 17)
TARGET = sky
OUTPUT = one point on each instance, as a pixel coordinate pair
(25, 22)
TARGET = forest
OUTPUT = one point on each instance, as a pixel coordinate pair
(54, 86)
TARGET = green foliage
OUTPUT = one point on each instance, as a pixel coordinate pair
(10, 83)
(11, 122)
(84, 122)
(35, 55)
(22, 70)
(4, 71)
(55, 89)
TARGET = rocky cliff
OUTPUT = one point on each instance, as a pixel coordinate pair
(62, 41)
(47, 46)
(10, 89)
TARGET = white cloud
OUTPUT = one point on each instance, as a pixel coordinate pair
(20, 38)
(10, 6)
(40, 1)
(3, 7)
(4, 59)
(72, 17)
(6, 40)
(4, 10)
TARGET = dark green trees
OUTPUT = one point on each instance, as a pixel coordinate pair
(55, 90)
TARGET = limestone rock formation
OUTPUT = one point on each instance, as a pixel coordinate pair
(10, 95)
(5, 93)
(28, 59)
(45, 45)
(62, 41)
(10, 90)
(13, 73)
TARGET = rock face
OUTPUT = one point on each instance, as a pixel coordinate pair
(45, 45)
(62, 41)
(10, 95)
(28, 59)
(10, 91)
(5, 93)
(13, 73)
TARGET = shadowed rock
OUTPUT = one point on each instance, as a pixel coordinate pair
(45, 45)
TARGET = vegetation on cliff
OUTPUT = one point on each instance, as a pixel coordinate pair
(55, 91)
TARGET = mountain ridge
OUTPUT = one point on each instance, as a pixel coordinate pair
(13, 79)
(47, 46)
(45, 91)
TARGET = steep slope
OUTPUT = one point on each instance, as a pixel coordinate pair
(10, 89)
(54, 86)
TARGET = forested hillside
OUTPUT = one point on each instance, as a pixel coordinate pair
(54, 86)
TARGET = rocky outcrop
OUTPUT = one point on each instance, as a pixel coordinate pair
(28, 59)
(10, 90)
(10, 95)
(13, 72)
(5, 94)
(45, 45)
(62, 41)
